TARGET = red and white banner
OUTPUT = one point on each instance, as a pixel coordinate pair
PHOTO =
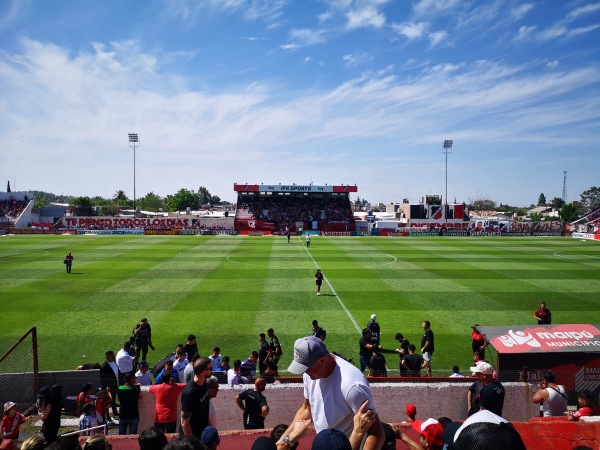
(544, 338)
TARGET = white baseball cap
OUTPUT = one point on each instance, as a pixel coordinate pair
(483, 367)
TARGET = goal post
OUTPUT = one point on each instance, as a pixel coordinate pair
(19, 371)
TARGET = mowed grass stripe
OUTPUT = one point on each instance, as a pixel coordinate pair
(228, 289)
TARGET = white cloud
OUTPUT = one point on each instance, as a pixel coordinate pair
(289, 47)
(582, 30)
(582, 11)
(525, 32)
(368, 17)
(357, 58)
(411, 30)
(518, 12)
(305, 37)
(553, 64)
(432, 7)
(437, 38)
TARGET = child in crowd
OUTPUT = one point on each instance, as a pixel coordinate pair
(411, 413)
(588, 406)
(84, 396)
(10, 426)
(103, 401)
(89, 419)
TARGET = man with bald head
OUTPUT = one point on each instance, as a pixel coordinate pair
(195, 401)
(254, 405)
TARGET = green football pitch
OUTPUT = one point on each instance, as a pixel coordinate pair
(226, 290)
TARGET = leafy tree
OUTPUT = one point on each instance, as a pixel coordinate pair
(82, 206)
(569, 212)
(183, 199)
(42, 198)
(120, 196)
(590, 200)
(204, 197)
(110, 209)
(541, 200)
(536, 217)
(484, 205)
(215, 200)
(151, 202)
(557, 203)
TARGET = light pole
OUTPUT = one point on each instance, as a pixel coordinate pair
(447, 149)
(134, 142)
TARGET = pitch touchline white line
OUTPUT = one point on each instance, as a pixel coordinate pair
(336, 295)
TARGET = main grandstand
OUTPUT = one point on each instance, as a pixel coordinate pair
(277, 209)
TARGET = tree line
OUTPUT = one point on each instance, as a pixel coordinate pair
(91, 206)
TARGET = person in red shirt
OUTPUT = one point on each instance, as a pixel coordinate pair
(103, 401)
(478, 340)
(588, 406)
(10, 426)
(167, 393)
(543, 315)
(84, 397)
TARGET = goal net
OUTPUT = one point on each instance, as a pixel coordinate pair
(19, 377)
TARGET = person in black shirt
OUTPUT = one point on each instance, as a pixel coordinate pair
(143, 338)
(319, 280)
(191, 347)
(412, 362)
(365, 349)
(318, 331)
(129, 395)
(195, 401)
(402, 352)
(378, 368)
(254, 405)
(427, 346)
(263, 353)
(374, 327)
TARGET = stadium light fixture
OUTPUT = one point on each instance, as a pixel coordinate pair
(447, 149)
(134, 142)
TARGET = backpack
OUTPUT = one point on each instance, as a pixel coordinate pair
(161, 364)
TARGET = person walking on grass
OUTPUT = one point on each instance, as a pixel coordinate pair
(319, 280)
(68, 262)
(427, 345)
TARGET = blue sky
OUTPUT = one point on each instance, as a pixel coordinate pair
(297, 91)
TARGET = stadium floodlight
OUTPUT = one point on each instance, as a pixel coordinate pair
(447, 149)
(134, 139)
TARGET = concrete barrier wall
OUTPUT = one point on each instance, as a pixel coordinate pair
(432, 400)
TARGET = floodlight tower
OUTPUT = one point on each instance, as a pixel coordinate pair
(565, 187)
(447, 150)
(134, 142)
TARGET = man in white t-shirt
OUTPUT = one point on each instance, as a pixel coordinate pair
(233, 374)
(334, 390)
(124, 360)
(179, 364)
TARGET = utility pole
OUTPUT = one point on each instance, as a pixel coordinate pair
(447, 150)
